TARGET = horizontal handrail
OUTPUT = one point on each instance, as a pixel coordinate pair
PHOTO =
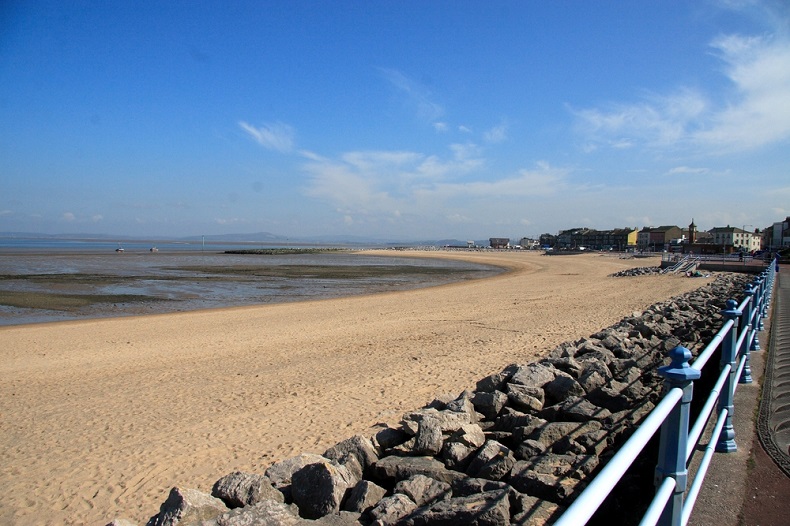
(705, 412)
(709, 349)
(656, 508)
(673, 502)
(696, 484)
(591, 498)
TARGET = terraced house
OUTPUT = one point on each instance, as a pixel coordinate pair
(657, 238)
(737, 238)
(615, 239)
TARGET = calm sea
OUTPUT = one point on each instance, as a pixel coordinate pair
(184, 277)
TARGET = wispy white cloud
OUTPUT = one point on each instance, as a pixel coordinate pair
(759, 114)
(544, 180)
(496, 134)
(656, 121)
(416, 95)
(751, 112)
(440, 127)
(274, 136)
(686, 170)
(68, 217)
(402, 185)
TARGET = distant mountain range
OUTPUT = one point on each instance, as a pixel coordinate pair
(258, 237)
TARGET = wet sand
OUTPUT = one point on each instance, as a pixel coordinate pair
(99, 418)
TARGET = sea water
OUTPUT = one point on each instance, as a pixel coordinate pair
(189, 277)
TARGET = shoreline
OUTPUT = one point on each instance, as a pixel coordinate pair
(34, 289)
(102, 417)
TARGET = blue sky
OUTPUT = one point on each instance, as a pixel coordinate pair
(392, 120)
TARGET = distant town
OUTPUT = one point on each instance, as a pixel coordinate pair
(670, 238)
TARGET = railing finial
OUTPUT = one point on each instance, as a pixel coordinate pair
(679, 369)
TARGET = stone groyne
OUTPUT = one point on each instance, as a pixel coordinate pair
(515, 450)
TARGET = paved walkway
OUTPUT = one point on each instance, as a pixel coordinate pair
(773, 423)
(748, 487)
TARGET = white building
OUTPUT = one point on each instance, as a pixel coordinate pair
(736, 238)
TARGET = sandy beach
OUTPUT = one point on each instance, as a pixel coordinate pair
(100, 418)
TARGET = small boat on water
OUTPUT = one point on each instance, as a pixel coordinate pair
(154, 249)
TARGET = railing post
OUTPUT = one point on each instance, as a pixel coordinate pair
(756, 312)
(760, 283)
(674, 434)
(747, 320)
(729, 355)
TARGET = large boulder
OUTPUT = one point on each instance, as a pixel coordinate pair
(491, 508)
(390, 509)
(392, 469)
(358, 446)
(264, 513)
(422, 490)
(493, 461)
(552, 477)
(534, 375)
(240, 489)
(459, 447)
(187, 506)
(364, 497)
(280, 473)
(319, 489)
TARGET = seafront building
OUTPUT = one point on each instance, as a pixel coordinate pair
(718, 240)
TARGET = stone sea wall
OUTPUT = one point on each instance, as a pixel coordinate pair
(516, 449)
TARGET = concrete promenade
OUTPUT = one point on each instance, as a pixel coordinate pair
(751, 487)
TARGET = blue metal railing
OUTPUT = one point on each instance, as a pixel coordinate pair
(673, 502)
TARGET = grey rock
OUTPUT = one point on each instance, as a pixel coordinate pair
(187, 506)
(358, 446)
(576, 409)
(449, 421)
(364, 497)
(491, 508)
(466, 487)
(390, 509)
(594, 442)
(428, 440)
(526, 398)
(422, 490)
(393, 468)
(563, 387)
(533, 375)
(511, 419)
(535, 512)
(552, 477)
(552, 432)
(240, 489)
(389, 437)
(344, 518)
(611, 396)
(566, 364)
(489, 404)
(496, 382)
(528, 449)
(264, 513)
(318, 489)
(463, 404)
(280, 473)
(458, 448)
(493, 461)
